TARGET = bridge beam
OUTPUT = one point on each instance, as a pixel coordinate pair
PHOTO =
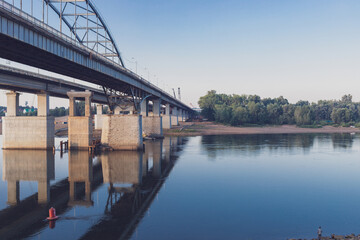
(25, 132)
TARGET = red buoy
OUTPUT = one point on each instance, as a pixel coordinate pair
(52, 214)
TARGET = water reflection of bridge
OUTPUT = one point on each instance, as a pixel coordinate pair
(133, 178)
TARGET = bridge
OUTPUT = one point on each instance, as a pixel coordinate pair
(83, 48)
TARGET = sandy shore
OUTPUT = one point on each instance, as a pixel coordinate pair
(209, 128)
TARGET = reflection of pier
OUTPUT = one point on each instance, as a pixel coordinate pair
(28, 166)
(154, 151)
(25, 217)
(133, 184)
(80, 177)
(139, 187)
(123, 171)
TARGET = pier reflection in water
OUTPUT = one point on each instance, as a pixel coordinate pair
(28, 165)
(103, 196)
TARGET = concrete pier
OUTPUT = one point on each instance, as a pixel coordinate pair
(152, 125)
(122, 132)
(98, 116)
(117, 110)
(181, 115)
(22, 132)
(144, 108)
(174, 117)
(166, 118)
(80, 129)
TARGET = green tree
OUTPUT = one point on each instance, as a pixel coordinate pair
(341, 115)
(239, 116)
(207, 105)
(302, 115)
(274, 112)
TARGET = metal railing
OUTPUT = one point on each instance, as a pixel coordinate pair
(18, 12)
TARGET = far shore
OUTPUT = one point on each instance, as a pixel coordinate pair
(210, 128)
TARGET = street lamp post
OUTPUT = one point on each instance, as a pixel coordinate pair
(135, 64)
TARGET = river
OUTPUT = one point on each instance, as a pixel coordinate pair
(275, 186)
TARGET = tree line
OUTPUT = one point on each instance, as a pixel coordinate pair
(252, 109)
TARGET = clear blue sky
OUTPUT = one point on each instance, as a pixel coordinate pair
(301, 49)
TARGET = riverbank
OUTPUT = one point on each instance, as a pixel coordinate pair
(210, 128)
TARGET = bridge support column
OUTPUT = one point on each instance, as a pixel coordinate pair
(167, 117)
(175, 117)
(152, 125)
(23, 132)
(12, 104)
(144, 108)
(117, 110)
(130, 110)
(122, 132)
(181, 115)
(98, 116)
(80, 128)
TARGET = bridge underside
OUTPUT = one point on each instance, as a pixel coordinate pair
(21, 52)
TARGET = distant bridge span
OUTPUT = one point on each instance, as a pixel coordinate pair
(30, 82)
(30, 41)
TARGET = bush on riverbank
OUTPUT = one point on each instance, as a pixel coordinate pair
(248, 110)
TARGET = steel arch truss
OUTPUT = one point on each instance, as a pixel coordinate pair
(86, 24)
(124, 98)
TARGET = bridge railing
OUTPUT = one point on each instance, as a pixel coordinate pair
(14, 10)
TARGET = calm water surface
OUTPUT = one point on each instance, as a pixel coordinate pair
(210, 187)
